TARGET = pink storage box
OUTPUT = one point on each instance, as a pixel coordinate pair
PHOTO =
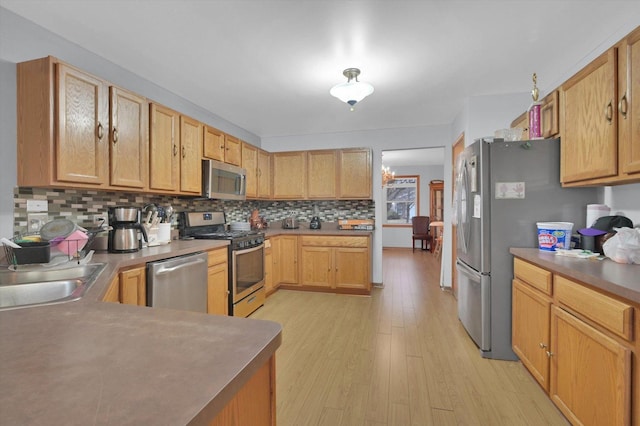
(73, 243)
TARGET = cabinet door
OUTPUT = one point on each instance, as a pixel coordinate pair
(352, 268)
(113, 291)
(133, 287)
(355, 173)
(589, 147)
(232, 150)
(218, 289)
(268, 270)
(590, 373)
(128, 139)
(550, 115)
(288, 259)
(530, 330)
(164, 162)
(629, 103)
(82, 127)
(316, 266)
(264, 174)
(289, 175)
(250, 164)
(190, 155)
(213, 143)
(321, 174)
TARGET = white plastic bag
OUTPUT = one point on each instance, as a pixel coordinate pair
(624, 247)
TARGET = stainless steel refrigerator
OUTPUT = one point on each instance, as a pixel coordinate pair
(501, 190)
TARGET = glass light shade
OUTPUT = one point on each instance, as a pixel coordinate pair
(351, 92)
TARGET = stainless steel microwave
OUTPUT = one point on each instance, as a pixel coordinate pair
(223, 181)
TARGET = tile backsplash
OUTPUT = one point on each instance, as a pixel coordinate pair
(80, 206)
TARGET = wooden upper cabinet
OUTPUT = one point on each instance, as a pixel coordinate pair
(63, 126)
(589, 122)
(355, 179)
(128, 139)
(289, 175)
(601, 140)
(164, 145)
(264, 174)
(321, 174)
(522, 122)
(82, 131)
(550, 115)
(213, 143)
(629, 104)
(250, 164)
(190, 155)
(232, 150)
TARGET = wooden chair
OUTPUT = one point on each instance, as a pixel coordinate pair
(437, 234)
(421, 232)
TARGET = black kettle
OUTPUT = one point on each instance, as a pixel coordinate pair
(315, 223)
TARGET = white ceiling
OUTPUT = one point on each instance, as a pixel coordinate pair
(267, 66)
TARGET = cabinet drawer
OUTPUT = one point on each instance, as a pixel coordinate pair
(612, 314)
(249, 304)
(217, 256)
(533, 275)
(333, 241)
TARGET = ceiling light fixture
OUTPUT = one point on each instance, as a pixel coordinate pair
(387, 175)
(353, 91)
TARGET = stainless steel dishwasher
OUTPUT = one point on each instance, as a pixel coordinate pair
(178, 283)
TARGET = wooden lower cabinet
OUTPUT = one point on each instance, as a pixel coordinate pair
(133, 286)
(285, 259)
(590, 373)
(255, 402)
(335, 262)
(218, 282)
(578, 344)
(530, 331)
(269, 283)
(113, 291)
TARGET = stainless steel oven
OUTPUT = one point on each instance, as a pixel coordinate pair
(246, 258)
(247, 279)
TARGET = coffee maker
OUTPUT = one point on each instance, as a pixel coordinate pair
(125, 225)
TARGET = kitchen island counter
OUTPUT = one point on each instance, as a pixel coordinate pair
(619, 279)
(93, 362)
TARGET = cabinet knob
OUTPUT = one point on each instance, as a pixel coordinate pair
(542, 345)
(622, 106)
(549, 354)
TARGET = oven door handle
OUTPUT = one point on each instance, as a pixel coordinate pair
(249, 250)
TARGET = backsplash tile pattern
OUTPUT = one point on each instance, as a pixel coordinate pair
(80, 206)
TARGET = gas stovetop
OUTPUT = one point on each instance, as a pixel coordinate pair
(211, 226)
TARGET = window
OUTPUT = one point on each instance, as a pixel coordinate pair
(400, 196)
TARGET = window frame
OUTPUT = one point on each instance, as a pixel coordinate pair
(384, 202)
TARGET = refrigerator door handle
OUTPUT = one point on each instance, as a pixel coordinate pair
(463, 228)
(469, 272)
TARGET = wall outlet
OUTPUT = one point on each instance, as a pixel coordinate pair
(37, 206)
(100, 219)
(35, 221)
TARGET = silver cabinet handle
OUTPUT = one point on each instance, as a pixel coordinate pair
(622, 106)
(100, 131)
(608, 112)
(115, 135)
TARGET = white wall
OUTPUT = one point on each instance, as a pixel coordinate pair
(378, 140)
(401, 237)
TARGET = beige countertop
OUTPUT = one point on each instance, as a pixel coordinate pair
(616, 278)
(91, 362)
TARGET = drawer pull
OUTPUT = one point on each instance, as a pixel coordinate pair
(549, 354)
(100, 131)
(251, 299)
(542, 345)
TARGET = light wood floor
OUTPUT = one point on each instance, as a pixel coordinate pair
(399, 357)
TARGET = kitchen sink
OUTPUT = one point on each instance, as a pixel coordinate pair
(21, 289)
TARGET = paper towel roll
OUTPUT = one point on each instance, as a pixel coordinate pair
(595, 211)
